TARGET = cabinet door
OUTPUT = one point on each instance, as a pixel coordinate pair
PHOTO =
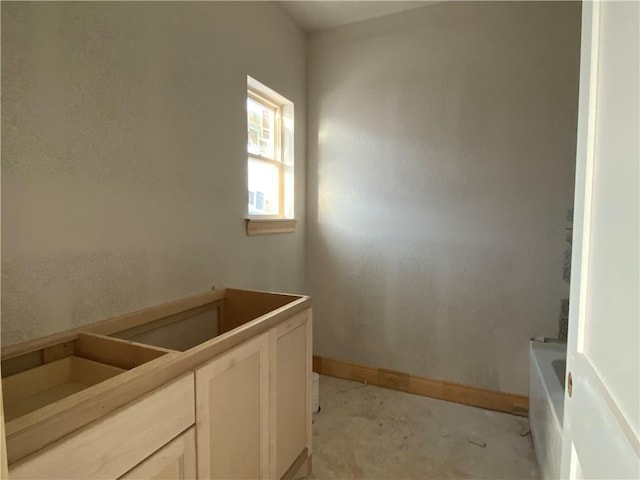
(291, 369)
(232, 405)
(174, 461)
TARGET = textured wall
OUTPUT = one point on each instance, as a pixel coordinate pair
(441, 165)
(124, 156)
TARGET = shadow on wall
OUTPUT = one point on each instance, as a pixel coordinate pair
(563, 324)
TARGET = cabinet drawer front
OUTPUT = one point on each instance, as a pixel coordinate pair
(115, 444)
(174, 461)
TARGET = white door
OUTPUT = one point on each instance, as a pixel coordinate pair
(602, 411)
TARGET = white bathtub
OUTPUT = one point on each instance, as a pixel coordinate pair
(547, 363)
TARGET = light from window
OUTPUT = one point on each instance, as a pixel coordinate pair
(270, 153)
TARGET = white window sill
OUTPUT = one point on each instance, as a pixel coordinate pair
(269, 226)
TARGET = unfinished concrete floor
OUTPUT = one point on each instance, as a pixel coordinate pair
(370, 432)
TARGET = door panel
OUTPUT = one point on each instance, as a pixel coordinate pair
(290, 394)
(613, 243)
(602, 410)
(232, 405)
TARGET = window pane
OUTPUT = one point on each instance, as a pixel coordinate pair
(264, 188)
(261, 129)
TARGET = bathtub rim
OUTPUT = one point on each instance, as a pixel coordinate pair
(544, 353)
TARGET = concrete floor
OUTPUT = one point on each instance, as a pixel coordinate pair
(368, 432)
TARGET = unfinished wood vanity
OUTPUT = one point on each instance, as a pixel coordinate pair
(216, 385)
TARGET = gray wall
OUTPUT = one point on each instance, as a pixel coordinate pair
(441, 164)
(124, 156)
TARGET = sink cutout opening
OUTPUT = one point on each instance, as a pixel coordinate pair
(178, 332)
(41, 377)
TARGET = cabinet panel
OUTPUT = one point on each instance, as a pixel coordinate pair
(113, 445)
(290, 392)
(174, 461)
(232, 405)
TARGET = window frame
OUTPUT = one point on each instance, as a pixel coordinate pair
(285, 221)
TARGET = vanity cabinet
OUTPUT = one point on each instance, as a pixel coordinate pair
(215, 386)
(253, 406)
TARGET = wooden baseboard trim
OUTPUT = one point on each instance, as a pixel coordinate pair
(428, 387)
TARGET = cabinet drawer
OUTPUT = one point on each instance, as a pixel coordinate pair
(111, 446)
(174, 461)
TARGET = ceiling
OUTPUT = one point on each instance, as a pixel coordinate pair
(321, 14)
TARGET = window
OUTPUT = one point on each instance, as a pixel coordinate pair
(269, 155)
